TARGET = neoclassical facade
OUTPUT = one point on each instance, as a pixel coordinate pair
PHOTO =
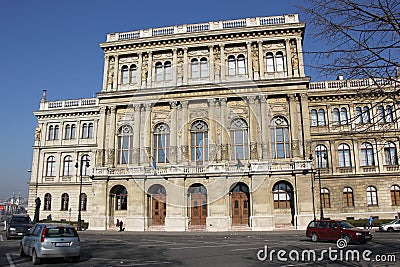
(215, 126)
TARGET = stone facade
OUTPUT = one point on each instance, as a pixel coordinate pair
(208, 126)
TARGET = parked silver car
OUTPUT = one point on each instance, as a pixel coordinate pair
(390, 227)
(51, 241)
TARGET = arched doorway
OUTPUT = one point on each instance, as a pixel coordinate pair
(198, 204)
(158, 204)
(118, 203)
(284, 198)
(240, 202)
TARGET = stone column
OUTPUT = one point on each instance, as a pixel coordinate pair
(253, 127)
(149, 69)
(261, 59)
(213, 130)
(136, 133)
(174, 66)
(139, 70)
(111, 137)
(185, 132)
(290, 71)
(224, 133)
(105, 71)
(249, 61)
(185, 65)
(222, 56)
(294, 125)
(211, 63)
(101, 133)
(173, 133)
(265, 129)
(146, 130)
(300, 56)
(116, 72)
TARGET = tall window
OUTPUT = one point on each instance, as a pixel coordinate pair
(203, 68)
(125, 145)
(83, 201)
(239, 140)
(53, 132)
(199, 141)
(236, 66)
(381, 114)
(270, 63)
(318, 117)
(70, 131)
(121, 199)
(336, 116)
(85, 165)
(124, 74)
(133, 73)
(343, 116)
(367, 155)
(344, 155)
(359, 115)
(321, 156)
(326, 198)
(395, 195)
(195, 68)
(47, 202)
(231, 65)
(279, 62)
(390, 154)
(314, 117)
(51, 166)
(167, 71)
(199, 69)
(161, 143)
(348, 200)
(64, 201)
(389, 114)
(280, 138)
(283, 193)
(159, 71)
(67, 166)
(366, 117)
(372, 196)
(163, 71)
(241, 65)
(87, 130)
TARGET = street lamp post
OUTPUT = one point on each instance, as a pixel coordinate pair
(319, 164)
(312, 186)
(79, 228)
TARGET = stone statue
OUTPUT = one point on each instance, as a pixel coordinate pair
(295, 59)
(217, 61)
(144, 71)
(254, 56)
(37, 209)
(180, 64)
(37, 133)
(110, 74)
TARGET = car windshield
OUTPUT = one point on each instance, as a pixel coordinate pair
(61, 232)
(345, 225)
(20, 220)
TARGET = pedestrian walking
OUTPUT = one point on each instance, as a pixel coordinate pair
(370, 220)
(121, 224)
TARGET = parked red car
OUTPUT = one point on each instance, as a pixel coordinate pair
(336, 229)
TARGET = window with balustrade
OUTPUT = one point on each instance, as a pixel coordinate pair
(395, 194)
(239, 139)
(390, 152)
(348, 199)
(280, 138)
(161, 139)
(125, 145)
(367, 155)
(372, 196)
(199, 141)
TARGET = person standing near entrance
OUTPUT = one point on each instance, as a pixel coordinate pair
(370, 220)
(121, 224)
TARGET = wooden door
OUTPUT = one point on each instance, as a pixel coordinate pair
(240, 208)
(158, 209)
(198, 209)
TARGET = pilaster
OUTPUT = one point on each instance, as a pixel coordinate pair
(173, 133)
(290, 71)
(249, 61)
(213, 130)
(149, 69)
(111, 137)
(222, 56)
(294, 125)
(211, 63)
(137, 133)
(261, 59)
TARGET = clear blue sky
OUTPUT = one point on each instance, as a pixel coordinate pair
(54, 45)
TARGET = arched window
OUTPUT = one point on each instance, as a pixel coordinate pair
(64, 201)
(67, 134)
(348, 199)
(125, 145)
(56, 131)
(390, 154)
(366, 115)
(344, 155)
(321, 117)
(67, 166)
(372, 196)
(270, 63)
(161, 143)
(167, 71)
(367, 155)
(241, 65)
(336, 116)
(51, 166)
(395, 195)
(325, 198)
(343, 116)
(85, 165)
(85, 130)
(280, 138)
(203, 68)
(381, 114)
(321, 156)
(195, 68)
(359, 115)
(47, 202)
(124, 74)
(121, 199)
(73, 131)
(231, 66)
(239, 140)
(83, 201)
(389, 114)
(133, 72)
(90, 130)
(314, 117)
(283, 193)
(279, 62)
(199, 141)
(51, 133)
(159, 71)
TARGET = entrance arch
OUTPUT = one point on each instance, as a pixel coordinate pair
(158, 204)
(240, 202)
(198, 204)
(284, 197)
(118, 203)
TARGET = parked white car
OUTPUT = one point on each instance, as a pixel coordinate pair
(390, 227)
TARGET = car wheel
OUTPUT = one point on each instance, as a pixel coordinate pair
(347, 238)
(314, 237)
(21, 251)
(35, 259)
(76, 258)
(390, 229)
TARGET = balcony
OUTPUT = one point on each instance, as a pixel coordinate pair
(213, 168)
(73, 103)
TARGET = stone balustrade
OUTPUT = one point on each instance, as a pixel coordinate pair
(216, 25)
(213, 168)
(62, 104)
(350, 84)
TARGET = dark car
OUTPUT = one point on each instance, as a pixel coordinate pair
(336, 229)
(18, 225)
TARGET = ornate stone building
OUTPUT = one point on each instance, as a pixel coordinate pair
(211, 126)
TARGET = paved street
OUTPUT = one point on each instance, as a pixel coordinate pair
(110, 248)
